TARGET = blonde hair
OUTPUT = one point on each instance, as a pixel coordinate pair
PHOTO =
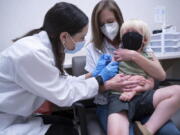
(136, 26)
(97, 36)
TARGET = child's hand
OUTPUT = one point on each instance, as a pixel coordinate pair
(123, 54)
(127, 96)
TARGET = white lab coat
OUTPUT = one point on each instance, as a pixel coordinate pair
(28, 77)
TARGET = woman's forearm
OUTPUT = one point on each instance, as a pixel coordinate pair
(88, 75)
(116, 83)
(107, 86)
(152, 67)
(110, 85)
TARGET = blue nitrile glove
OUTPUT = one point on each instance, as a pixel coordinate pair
(102, 63)
(109, 71)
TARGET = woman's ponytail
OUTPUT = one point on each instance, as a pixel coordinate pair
(30, 33)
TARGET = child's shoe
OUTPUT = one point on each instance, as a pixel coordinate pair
(140, 129)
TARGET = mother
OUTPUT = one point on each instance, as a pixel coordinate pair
(106, 22)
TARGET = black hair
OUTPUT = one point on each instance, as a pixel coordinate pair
(62, 17)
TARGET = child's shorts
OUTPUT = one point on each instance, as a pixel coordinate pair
(140, 106)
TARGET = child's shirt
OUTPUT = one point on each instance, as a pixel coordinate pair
(131, 68)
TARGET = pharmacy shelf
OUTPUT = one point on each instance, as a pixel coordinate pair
(169, 55)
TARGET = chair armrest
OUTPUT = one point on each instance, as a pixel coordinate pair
(169, 81)
(79, 109)
(80, 117)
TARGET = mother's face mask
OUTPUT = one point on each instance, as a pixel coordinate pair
(132, 41)
(110, 30)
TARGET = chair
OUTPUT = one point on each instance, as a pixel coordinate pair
(85, 110)
(78, 64)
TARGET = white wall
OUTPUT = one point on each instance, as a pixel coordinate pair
(144, 9)
(19, 16)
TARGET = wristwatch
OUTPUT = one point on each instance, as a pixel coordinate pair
(99, 80)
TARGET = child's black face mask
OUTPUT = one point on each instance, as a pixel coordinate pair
(132, 41)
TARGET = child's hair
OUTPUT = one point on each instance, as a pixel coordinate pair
(136, 26)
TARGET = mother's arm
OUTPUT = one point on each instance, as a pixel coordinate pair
(125, 83)
(148, 85)
(142, 85)
(152, 67)
(119, 83)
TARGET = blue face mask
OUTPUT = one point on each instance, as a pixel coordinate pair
(78, 46)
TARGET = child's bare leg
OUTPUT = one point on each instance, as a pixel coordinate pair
(166, 102)
(118, 124)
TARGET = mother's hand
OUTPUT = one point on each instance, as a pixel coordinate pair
(120, 82)
(143, 84)
(141, 80)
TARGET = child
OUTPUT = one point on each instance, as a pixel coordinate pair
(133, 104)
(132, 39)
